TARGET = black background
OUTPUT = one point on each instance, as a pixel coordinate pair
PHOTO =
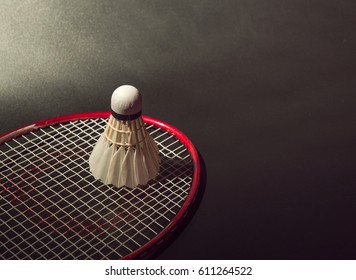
(264, 89)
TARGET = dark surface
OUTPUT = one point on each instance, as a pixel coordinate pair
(264, 89)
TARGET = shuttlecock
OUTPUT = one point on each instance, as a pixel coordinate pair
(125, 154)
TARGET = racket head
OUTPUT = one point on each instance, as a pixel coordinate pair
(19, 197)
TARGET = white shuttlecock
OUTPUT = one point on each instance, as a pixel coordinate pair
(125, 154)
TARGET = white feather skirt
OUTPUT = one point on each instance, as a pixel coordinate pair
(125, 154)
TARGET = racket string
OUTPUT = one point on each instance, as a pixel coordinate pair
(54, 200)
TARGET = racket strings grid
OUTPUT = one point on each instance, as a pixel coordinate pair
(52, 208)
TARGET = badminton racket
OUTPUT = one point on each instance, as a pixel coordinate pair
(53, 208)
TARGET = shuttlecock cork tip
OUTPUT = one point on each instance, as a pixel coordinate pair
(126, 100)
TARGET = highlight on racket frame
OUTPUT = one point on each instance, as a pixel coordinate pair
(53, 208)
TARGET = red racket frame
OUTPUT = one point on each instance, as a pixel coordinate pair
(174, 131)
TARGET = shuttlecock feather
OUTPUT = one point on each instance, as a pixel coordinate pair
(125, 154)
